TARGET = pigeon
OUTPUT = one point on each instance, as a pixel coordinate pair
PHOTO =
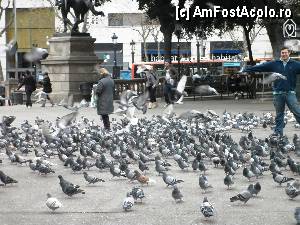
(36, 54)
(169, 180)
(141, 178)
(205, 90)
(180, 89)
(273, 77)
(6, 179)
(137, 193)
(248, 173)
(297, 215)
(69, 188)
(203, 183)
(244, 196)
(52, 203)
(207, 208)
(140, 102)
(67, 120)
(128, 202)
(176, 194)
(280, 179)
(228, 181)
(11, 48)
(292, 44)
(91, 179)
(292, 189)
(254, 189)
(7, 120)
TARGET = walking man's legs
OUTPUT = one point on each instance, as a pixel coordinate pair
(279, 104)
(28, 99)
(106, 123)
(293, 105)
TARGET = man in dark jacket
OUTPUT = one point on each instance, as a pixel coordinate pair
(30, 86)
(283, 90)
(171, 74)
(47, 88)
(105, 95)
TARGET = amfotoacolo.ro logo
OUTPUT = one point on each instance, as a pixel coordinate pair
(216, 11)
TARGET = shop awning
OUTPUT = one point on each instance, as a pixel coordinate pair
(225, 51)
(162, 52)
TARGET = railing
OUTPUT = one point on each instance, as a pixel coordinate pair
(137, 84)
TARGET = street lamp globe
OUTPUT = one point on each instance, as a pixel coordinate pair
(114, 38)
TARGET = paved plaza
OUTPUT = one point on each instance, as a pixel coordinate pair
(24, 203)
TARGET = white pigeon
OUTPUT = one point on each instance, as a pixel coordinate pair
(207, 208)
(11, 48)
(273, 77)
(128, 202)
(42, 96)
(292, 44)
(52, 203)
(205, 90)
(36, 55)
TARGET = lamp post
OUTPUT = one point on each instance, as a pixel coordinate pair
(178, 28)
(15, 26)
(114, 39)
(198, 50)
(132, 44)
(203, 48)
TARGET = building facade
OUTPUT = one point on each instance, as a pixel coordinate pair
(38, 20)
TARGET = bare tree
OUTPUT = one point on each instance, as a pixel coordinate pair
(3, 8)
(155, 31)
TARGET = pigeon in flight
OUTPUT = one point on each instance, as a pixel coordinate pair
(11, 48)
(36, 54)
(206, 90)
(273, 77)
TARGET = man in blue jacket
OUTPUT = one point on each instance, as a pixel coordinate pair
(284, 92)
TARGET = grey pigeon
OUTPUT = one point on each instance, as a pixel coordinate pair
(36, 54)
(205, 90)
(254, 189)
(280, 179)
(228, 181)
(203, 183)
(207, 208)
(5, 179)
(292, 189)
(244, 196)
(68, 188)
(176, 194)
(297, 215)
(137, 193)
(67, 120)
(91, 179)
(169, 180)
(12, 47)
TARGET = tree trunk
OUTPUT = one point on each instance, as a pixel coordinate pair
(145, 50)
(168, 44)
(249, 47)
(275, 34)
(1, 73)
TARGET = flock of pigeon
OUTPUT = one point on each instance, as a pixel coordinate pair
(192, 141)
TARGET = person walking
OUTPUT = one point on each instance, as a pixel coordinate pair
(105, 95)
(151, 84)
(170, 77)
(284, 91)
(47, 89)
(30, 86)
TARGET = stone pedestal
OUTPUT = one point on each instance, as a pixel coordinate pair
(71, 62)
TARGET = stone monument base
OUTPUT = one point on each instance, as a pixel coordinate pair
(70, 63)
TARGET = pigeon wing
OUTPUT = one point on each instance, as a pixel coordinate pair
(67, 120)
(181, 84)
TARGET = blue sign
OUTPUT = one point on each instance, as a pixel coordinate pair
(232, 64)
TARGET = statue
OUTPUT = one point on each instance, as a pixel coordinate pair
(80, 8)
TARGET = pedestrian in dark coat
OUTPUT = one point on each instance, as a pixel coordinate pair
(30, 86)
(105, 95)
(47, 89)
